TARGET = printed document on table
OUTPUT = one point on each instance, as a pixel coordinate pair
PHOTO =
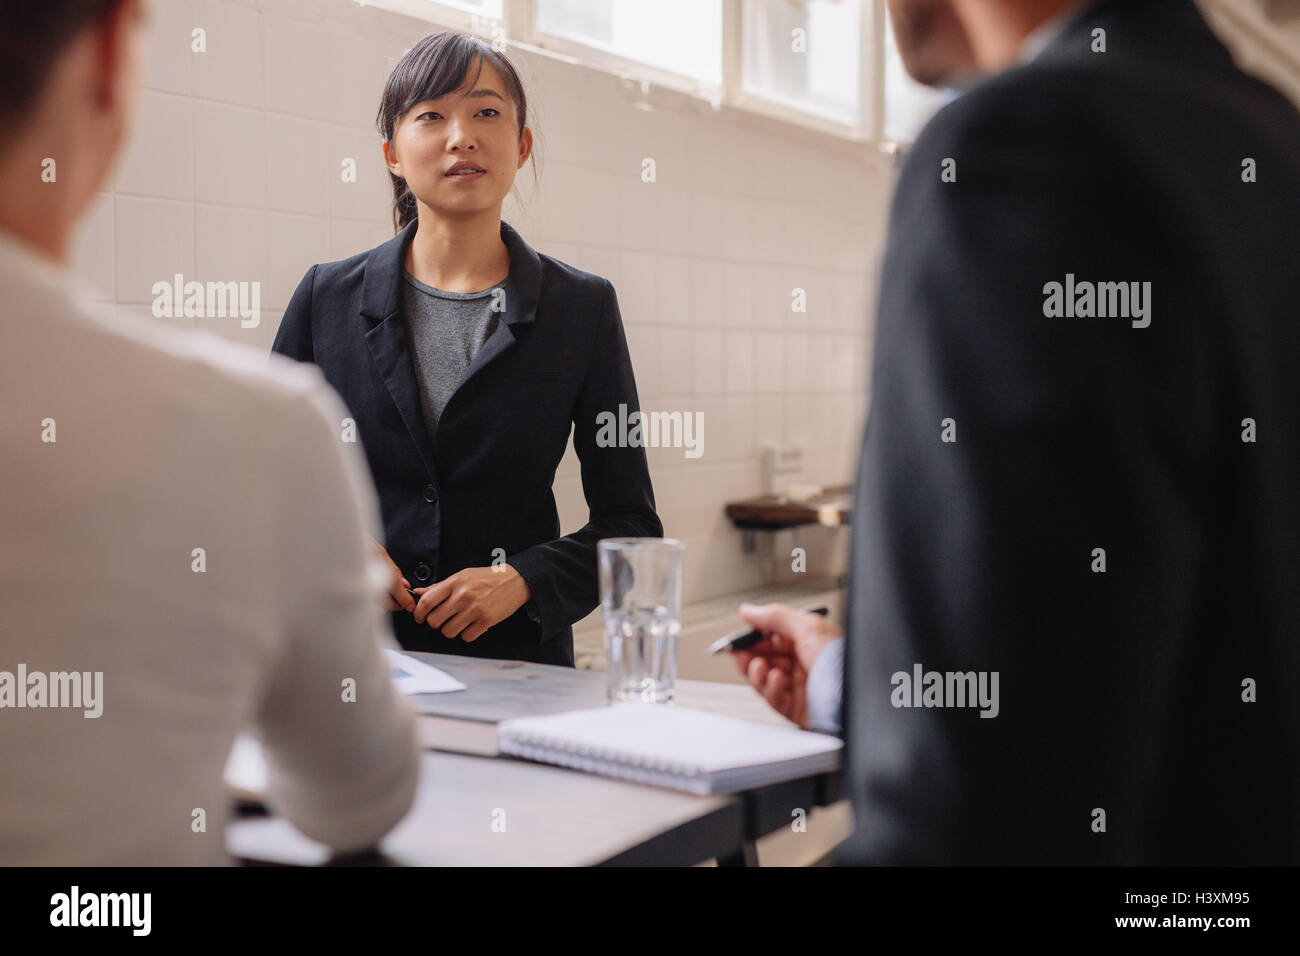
(412, 676)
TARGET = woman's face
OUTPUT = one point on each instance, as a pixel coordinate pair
(472, 128)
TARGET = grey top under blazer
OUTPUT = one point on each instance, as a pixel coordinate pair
(481, 487)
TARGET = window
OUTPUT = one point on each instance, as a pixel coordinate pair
(683, 37)
(908, 104)
(805, 54)
(459, 14)
(489, 9)
(830, 65)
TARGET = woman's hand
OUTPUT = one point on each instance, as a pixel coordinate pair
(398, 598)
(471, 601)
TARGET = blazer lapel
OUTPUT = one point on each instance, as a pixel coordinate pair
(387, 336)
(522, 289)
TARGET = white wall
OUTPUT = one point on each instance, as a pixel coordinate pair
(1264, 37)
(234, 175)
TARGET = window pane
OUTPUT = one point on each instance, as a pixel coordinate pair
(682, 36)
(908, 104)
(815, 69)
(490, 9)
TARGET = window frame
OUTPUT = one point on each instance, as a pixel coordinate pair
(519, 21)
(624, 67)
(870, 77)
(436, 11)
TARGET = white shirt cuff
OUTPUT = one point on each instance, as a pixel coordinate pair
(825, 688)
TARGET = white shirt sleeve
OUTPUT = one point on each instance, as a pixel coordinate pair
(341, 746)
(825, 688)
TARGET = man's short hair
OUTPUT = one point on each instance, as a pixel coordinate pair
(32, 35)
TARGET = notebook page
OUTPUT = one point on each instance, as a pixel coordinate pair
(669, 736)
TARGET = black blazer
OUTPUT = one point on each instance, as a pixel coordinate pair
(1119, 690)
(558, 357)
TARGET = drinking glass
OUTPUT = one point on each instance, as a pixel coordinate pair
(641, 601)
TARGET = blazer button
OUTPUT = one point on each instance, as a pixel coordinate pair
(422, 572)
(430, 494)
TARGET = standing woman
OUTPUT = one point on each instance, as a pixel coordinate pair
(464, 356)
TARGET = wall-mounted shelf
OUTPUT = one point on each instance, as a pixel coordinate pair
(832, 508)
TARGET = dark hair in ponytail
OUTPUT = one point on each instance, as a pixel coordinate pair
(439, 64)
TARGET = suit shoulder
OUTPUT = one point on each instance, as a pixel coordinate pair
(1032, 101)
(215, 379)
(561, 275)
(582, 293)
(342, 271)
(1073, 104)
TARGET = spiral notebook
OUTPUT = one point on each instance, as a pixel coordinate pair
(670, 746)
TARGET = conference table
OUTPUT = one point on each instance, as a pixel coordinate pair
(476, 807)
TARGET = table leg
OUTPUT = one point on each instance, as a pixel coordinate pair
(746, 854)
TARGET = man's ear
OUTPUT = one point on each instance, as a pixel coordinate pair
(117, 47)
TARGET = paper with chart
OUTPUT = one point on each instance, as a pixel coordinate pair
(412, 676)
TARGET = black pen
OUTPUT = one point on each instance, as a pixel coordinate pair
(746, 637)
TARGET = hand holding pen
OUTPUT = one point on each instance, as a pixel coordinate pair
(778, 659)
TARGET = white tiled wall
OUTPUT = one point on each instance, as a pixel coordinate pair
(234, 174)
(1264, 38)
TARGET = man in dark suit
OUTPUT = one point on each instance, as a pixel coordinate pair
(1073, 616)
